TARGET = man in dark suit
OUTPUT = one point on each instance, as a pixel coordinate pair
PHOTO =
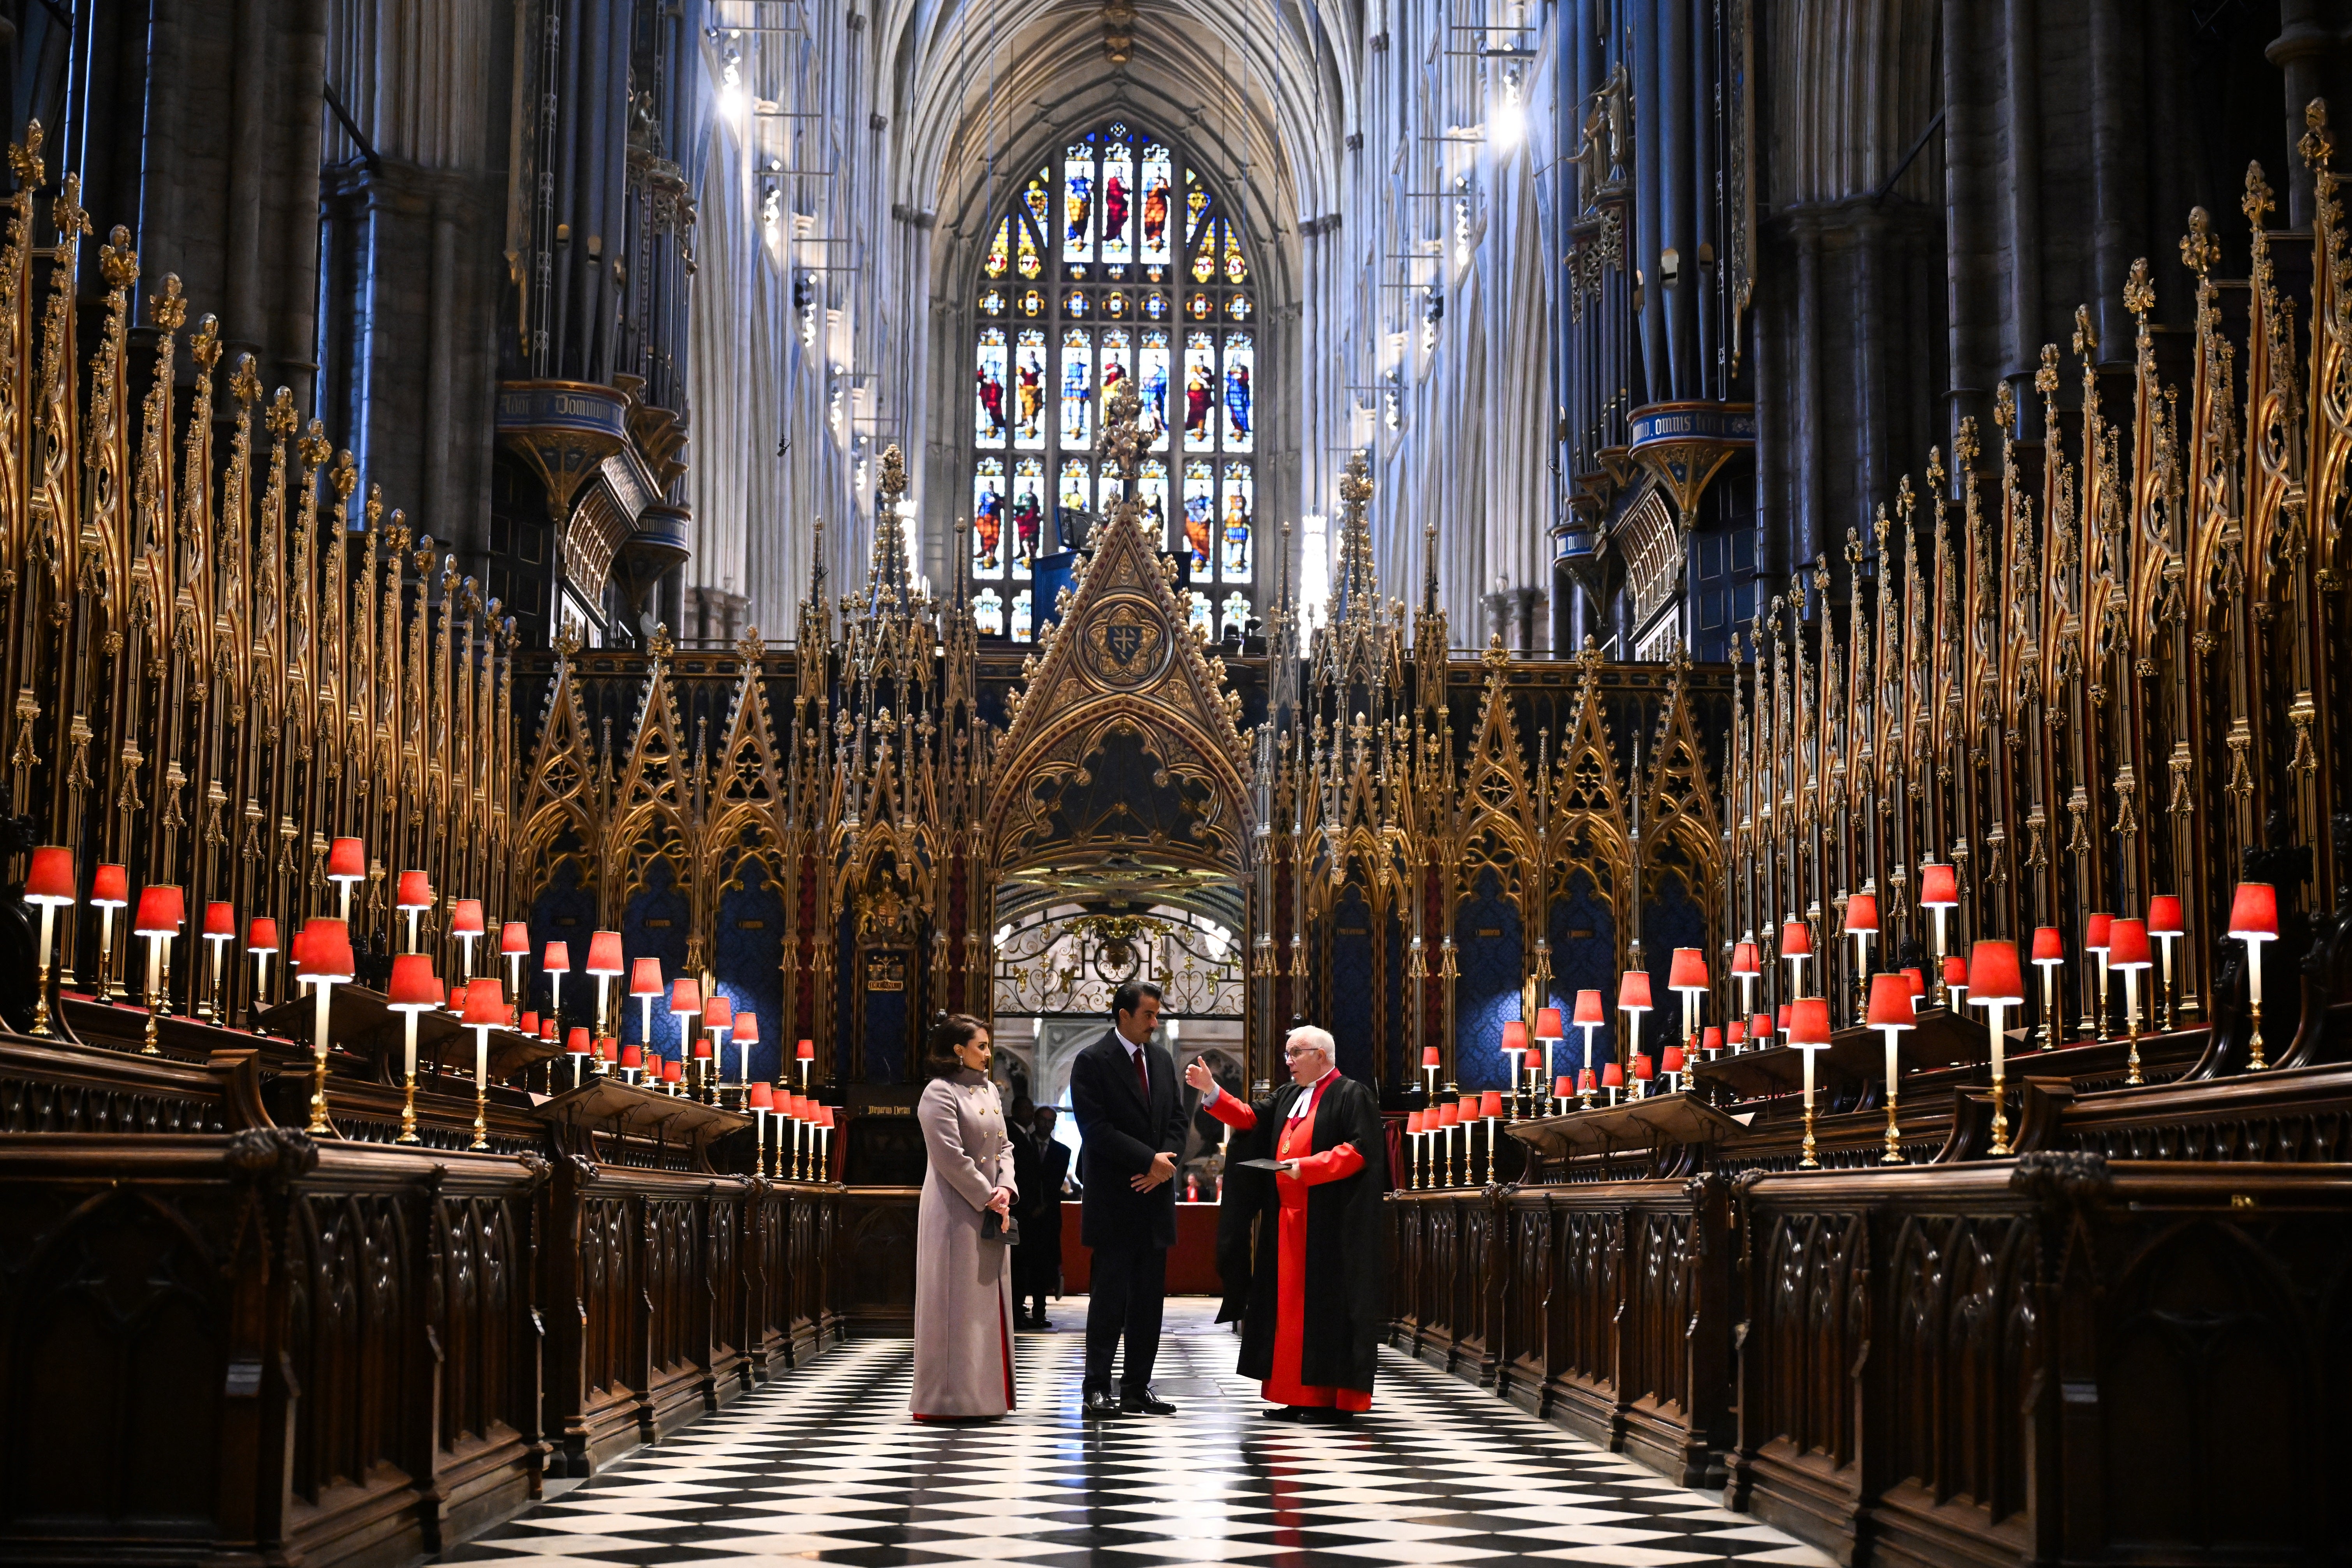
(1132, 1120)
(1041, 1227)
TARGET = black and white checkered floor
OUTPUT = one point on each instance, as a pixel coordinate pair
(825, 1465)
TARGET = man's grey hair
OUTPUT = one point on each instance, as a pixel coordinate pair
(1308, 1035)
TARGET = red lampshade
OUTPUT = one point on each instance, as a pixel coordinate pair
(1491, 1103)
(1994, 976)
(1412, 1121)
(1449, 1115)
(547, 1028)
(261, 935)
(220, 921)
(1940, 887)
(531, 1022)
(2254, 911)
(1917, 980)
(1589, 1009)
(1711, 1039)
(2127, 944)
(1548, 1024)
(1429, 1057)
(747, 1028)
(1612, 1075)
(1861, 914)
(1760, 1027)
(1744, 959)
(111, 888)
(1515, 1038)
(414, 986)
(2096, 929)
(414, 891)
(49, 878)
(1633, 991)
(632, 1055)
(324, 951)
(1955, 970)
(1671, 1058)
(514, 940)
(1688, 971)
(2049, 947)
(1585, 1081)
(456, 992)
(719, 1012)
(1796, 939)
(1890, 1003)
(796, 1104)
(1809, 1020)
(1643, 1067)
(466, 918)
(485, 1004)
(557, 959)
(347, 860)
(1562, 1087)
(645, 978)
(576, 1042)
(162, 910)
(702, 1047)
(604, 953)
(805, 1051)
(673, 1070)
(824, 1116)
(685, 994)
(1783, 1016)
(761, 1098)
(607, 1048)
(1735, 1033)
(2164, 916)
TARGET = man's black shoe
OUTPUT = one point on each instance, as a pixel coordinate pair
(1284, 1413)
(1323, 1416)
(1145, 1404)
(1100, 1404)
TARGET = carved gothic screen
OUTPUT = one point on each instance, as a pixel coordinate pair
(1116, 259)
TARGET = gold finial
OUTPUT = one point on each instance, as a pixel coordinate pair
(117, 262)
(1122, 439)
(2086, 336)
(2258, 201)
(661, 647)
(2199, 251)
(567, 638)
(204, 347)
(315, 448)
(1495, 656)
(24, 157)
(893, 485)
(2139, 294)
(2045, 380)
(749, 646)
(346, 476)
(2317, 143)
(244, 385)
(170, 309)
(1936, 472)
(281, 413)
(67, 213)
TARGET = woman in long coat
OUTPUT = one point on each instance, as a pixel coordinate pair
(964, 1279)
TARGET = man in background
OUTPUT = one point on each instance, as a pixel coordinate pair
(1038, 1268)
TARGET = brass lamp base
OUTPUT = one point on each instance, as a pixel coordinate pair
(408, 1113)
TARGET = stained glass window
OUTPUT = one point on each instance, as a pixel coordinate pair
(1117, 259)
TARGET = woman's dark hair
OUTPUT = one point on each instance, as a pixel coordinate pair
(950, 1031)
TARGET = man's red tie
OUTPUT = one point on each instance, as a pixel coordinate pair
(1143, 1079)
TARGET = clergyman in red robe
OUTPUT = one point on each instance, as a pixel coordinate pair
(1311, 1288)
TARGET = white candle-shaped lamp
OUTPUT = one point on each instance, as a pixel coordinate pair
(2165, 924)
(1809, 1035)
(1430, 1062)
(1589, 1016)
(1862, 925)
(1996, 983)
(2254, 920)
(261, 941)
(1413, 1151)
(162, 910)
(219, 929)
(1514, 1048)
(49, 885)
(2095, 942)
(2049, 955)
(718, 1018)
(1956, 981)
(2127, 951)
(412, 895)
(1747, 968)
(577, 1046)
(686, 1007)
(415, 989)
(1796, 946)
(110, 889)
(646, 984)
(466, 923)
(1687, 977)
(746, 1035)
(346, 865)
(1632, 1000)
(555, 962)
(1939, 892)
(486, 1009)
(514, 946)
(1549, 1031)
(825, 1142)
(327, 963)
(1890, 1014)
(604, 963)
(762, 1100)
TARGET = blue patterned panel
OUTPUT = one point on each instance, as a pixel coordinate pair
(847, 997)
(1351, 1022)
(1491, 958)
(654, 925)
(1672, 918)
(747, 953)
(887, 977)
(1583, 933)
(565, 912)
